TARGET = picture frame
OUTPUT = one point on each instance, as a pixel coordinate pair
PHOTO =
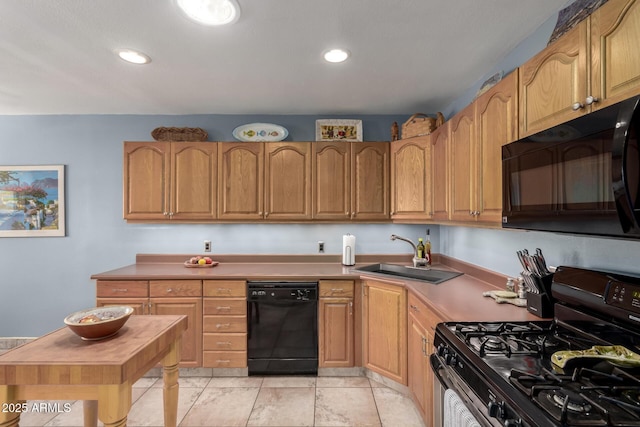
(32, 201)
(338, 130)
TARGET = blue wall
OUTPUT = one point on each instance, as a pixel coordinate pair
(44, 279)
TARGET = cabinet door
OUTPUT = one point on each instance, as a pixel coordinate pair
(385, 330)
(146, 180)
(440, 172)
(418, 364)
(496, 124)
(553, 81)
(288, 180)
(331, 180)
(411, 179)
(615, 65)
(335, 330)
(240, 180)
(192, 337)
(370, 181)
(193, 180)
(463, 164)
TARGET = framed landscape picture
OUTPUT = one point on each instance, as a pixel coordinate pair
(32, 201)
(339, 130)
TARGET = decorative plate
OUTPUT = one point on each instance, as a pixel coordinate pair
(259, 132)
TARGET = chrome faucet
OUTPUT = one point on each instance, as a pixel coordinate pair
(417, 261)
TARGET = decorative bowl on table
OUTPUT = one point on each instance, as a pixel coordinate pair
(98, 323)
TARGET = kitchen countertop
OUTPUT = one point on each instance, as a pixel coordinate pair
(458, 299)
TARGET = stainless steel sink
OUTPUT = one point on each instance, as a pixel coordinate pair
(416, 273)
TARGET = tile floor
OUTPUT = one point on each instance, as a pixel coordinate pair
(258, 401)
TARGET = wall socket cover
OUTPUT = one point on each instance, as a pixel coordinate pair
(207, 245)
(321, 246)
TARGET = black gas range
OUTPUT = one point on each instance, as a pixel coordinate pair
(504, 374)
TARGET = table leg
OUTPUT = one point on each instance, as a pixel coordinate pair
(10, 407)
(90, 413)
(170, 375)
(114, 402)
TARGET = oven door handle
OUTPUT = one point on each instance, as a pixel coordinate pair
(436, 365)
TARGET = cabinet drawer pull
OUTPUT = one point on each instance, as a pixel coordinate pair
(223, 343)
(169, 290)
(414, 308)
(223, 361)
(120, 290)
(223, 325)
(337, 290)
(221, 308)
(224, 290)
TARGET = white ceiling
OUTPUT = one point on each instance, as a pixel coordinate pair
(56, 56)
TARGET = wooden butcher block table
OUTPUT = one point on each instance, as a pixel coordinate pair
(62, 366)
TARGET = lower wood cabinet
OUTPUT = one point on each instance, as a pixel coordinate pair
(384, 329)
(180, 297)
(224, 324)
(422, 323)
(335, 324)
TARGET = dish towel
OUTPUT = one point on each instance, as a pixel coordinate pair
(455, 412)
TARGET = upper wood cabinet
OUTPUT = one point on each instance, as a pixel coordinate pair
(169, 180)
(241, 180)
(370, 181)
(496, 121)
(411, 178)
(463, 163)
(331, 167)
(440, 172)
(560, 83)
(287, 180)
(264, 180)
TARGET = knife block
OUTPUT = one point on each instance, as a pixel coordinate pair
(541, 304)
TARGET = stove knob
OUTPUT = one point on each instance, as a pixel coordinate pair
(496, 409)
(451, 359)
(513, 423)
(442, 350)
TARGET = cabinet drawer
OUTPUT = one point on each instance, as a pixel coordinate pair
(224, 359)
(225, 342)
(225, 288)
(336, 288)
(421, 312)
(224, 324)
(119, 288)
(225, 306)
(175, 288)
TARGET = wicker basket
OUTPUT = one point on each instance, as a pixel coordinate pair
(419, 124)
(179, 134)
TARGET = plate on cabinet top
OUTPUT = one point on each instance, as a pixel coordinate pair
(260, 132)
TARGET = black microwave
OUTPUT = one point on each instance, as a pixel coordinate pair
(580, 177)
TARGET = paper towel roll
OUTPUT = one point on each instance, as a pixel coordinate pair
(348, 249)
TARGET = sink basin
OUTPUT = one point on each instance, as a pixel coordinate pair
(416, 273)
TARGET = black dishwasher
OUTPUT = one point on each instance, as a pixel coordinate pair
(282, 326)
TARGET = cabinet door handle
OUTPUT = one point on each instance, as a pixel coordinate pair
(266, 214)
(169, 290)
(350, 308)
(577, 106)
(590, 100)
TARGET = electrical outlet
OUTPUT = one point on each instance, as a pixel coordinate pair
(321, 247)
(207, 245)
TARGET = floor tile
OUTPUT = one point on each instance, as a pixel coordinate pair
(186, 382)
(396, 409)
(148, 409)
(283, 406)
(345, 407)
(235, 382)
(221, 406)
(146, 382)
(289, 382)
(335, 382)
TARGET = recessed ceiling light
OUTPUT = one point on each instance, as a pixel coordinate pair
(336, 55)
(133, 56)
(211, 12)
